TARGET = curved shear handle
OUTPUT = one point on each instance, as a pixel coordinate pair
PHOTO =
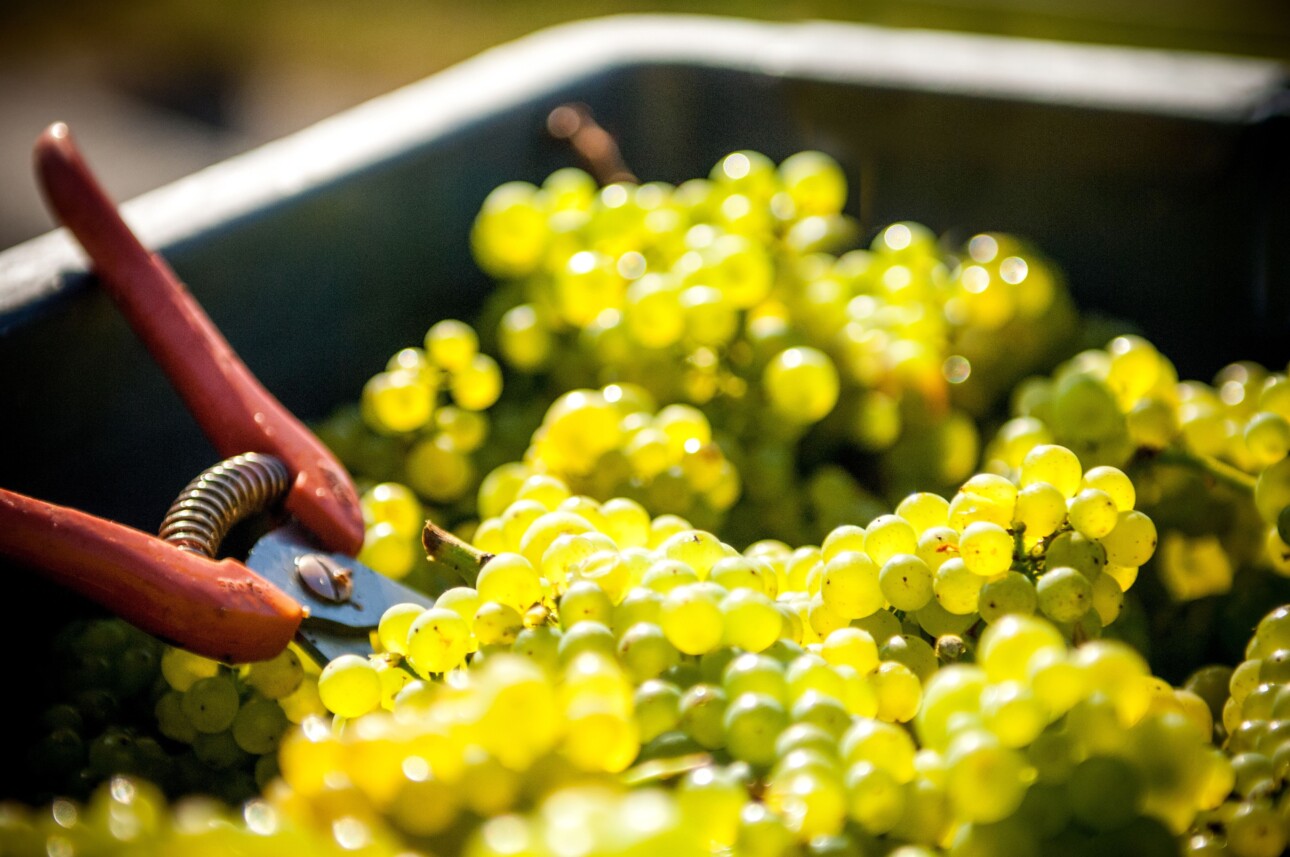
(234, 410)
(220, 609)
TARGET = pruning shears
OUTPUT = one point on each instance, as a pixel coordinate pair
(300, 581)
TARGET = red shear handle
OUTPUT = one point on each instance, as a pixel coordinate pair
(222, 610)
(230, 404)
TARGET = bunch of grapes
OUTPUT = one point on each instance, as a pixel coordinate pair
(1254, 705)
(129, 704)
(741, 294)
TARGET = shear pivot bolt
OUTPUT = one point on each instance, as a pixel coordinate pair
(325, 577)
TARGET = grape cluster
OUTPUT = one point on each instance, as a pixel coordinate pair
(1253, 702)
(1210, 459)
(740, 294)
(131, 705)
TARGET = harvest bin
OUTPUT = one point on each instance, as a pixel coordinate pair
(1159, 182)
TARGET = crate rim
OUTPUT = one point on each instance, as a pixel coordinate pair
(37, 274)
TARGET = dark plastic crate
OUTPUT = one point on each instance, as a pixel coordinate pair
(1160, 182)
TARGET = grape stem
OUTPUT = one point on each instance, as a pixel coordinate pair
(1219, 471)
(446, 549)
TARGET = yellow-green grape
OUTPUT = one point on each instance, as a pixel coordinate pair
(883, 745)
(747, 172)
(1272, 490)
(259, 725)
(1012, 713)
(814, 182)
(466, 429)
(388, 551)
(497, 624)
(739, 572)
(847, 537)
(510, 235)
(992, 487)
(392, 630)
(985, 781)
(1056, 465)
(888, 535)
(524, 339)
(957, 589)
(584, 601)
(850, 585)
(1115, 482)
(510, 579)
(278, 676)
(626, 522)
(1108, 598)
(851, 647)
(438, 471)
(498, 489)
(898, 690)
(547, 490)
(478, 384)
(924, 511)
(349, 686)
(451, 344)
(749, 620)
(397, 402)
(1064, 594)
(698, 549)
(986, 549)
(1009, 593)
(906, 582)
(211, 703)
(607, 569)
(393, 504)
(587, 285)
(905, 241)
(1267, 437)
(653, 311)
(1093, 513)
(937, 545)
(801, 385)
(1008, 647)
(461, 600)
(1041, 509)
(1133, 540)
(739, 268)
(182, 669)
(438, 641)
(691, 618)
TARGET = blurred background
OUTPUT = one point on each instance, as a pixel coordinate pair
(156, 89)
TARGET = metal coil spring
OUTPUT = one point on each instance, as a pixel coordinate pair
(219, 497)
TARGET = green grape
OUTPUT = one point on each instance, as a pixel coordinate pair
(691, 619)
(821, 710)
(1065, 595)
(888, 535)
(1093, 513)
(851, 585)
(697, 549)
(906, 582)
(749, 620)
(259, 725)
(703, 709)
(752, 673)
(496, 624)
(393, 504)
(762, 833)
(1084, 408)
(956, 588)
(438, 641)
(211, 703)
(1010, 594)
(388, 551)
(1055, 465)
(814, 182)
(477, 384)
(851, 647)
(985, 781)
(584, 601)
(711, 799)
(801, 385)
(586, 636)
(510, 234)
(1133, 540)
(438, 471)
(912, 651)
(1255, 830)
(752, 722)
(278, 676)
(1115, 483)
(397, 402)
(986, 549)
(349, 685)
(524, 339)
(898, 690)
(657, 706)
(182, 669)
(1077, 551)
(645, 652)
(875, 800)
